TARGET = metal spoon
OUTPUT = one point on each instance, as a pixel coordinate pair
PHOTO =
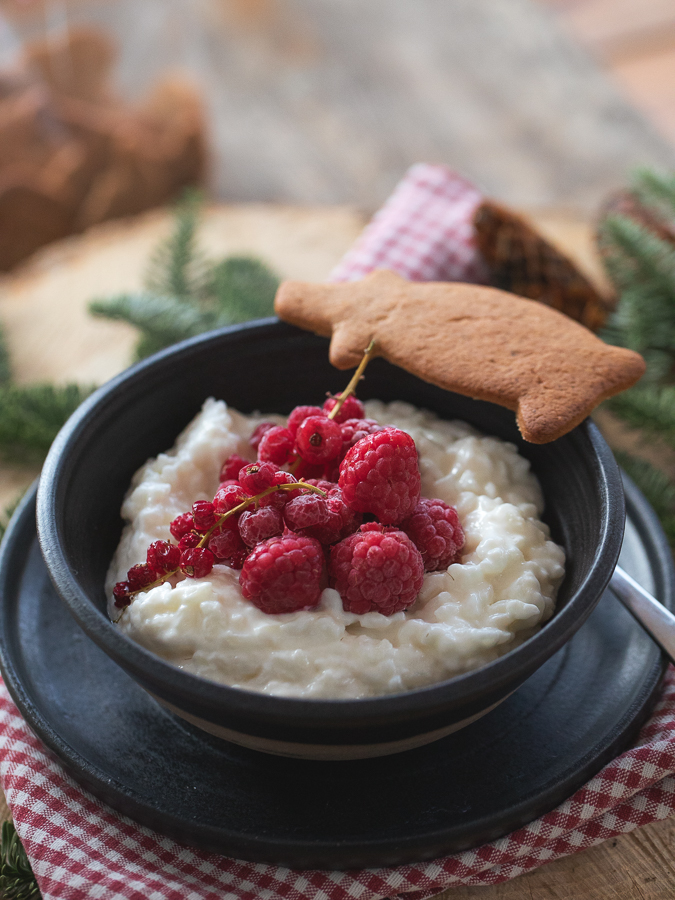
(652, 615)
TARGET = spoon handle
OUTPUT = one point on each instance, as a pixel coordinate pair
(652, 615)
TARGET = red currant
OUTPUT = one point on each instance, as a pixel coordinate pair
(258, 433)
(163, 557)
(181, 525)
(203, 513)
(231, 466)
(276, 445)
(140, 576)
(318, 440)
(227, 497)
(299, 414)
(350, 409)
(188, 541)
(197, 562)
(225, 542)
(257, 477)
(121, 594)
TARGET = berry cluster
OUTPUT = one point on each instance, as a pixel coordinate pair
(293, 531)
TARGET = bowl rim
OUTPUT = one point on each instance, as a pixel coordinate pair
(202, 693)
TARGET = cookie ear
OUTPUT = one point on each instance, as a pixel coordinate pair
(347, 346)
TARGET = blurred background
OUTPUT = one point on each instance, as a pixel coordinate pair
(540, 102)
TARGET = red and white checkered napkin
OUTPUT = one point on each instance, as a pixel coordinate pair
(81, 850)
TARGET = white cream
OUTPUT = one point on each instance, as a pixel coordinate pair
(478, 609)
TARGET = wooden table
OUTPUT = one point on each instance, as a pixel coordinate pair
(52, 337)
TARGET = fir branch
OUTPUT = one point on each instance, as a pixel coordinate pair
(161, 320)
(648, 407)
(655, 485)
(244, 288)
(655, 190)
(17, 881)
(185, 296)
(642, 266)
(31, 417)
(176, 269)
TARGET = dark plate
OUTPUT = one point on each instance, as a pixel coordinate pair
(573, 715)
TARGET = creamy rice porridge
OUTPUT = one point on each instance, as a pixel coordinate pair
(464, 617)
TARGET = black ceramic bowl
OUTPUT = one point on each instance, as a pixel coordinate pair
(272, 367)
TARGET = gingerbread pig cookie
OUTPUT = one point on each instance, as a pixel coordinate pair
(477, 341)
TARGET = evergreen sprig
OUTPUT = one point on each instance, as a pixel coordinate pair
(185, 294)
(640, 261)
(31, 416)
(17, 881)
(655, 485)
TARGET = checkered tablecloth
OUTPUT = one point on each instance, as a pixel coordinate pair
(80, 849)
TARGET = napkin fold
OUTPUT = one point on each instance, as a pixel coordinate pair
(81, 849)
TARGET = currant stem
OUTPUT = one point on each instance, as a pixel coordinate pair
(356, 377)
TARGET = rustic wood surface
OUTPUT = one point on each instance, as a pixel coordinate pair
(43, 307)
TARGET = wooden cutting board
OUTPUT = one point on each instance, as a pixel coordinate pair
(43, 308)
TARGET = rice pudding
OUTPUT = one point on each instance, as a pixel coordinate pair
(501, 592)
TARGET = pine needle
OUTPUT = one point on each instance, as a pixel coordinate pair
(244, 289)
(185, 295)
(17, 881)
(162, 320)
(650, 408)
(31, 417)
(655, 190)
(642, 267)
(176, 269)
(655, 485)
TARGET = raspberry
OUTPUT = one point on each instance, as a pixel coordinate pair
(376, 570)
(239, 558)
(257, 477)
(276, 445)
(225, 543)
(121, 594)
(231, 467)
(197, 562)
(434, 529)
(322, 484)
(283, 574)
(140, 576)
(355, 429)
(299, 414)
(257, 525)
(256, 437)
(318, 440)
(163, 556)
(181, 525)
(380, 474)
(338, 522)
(203, 513)
(227, 497)
(305, 511)
(350, 409)
(188, 541)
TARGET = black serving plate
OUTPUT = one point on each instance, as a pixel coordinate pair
(567, 720)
